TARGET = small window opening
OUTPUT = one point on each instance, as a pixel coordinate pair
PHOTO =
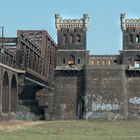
(137, 39)
(71, 39)
(78, 61)
(64, 61)
(78, 39)
(137, 64)
(71, 61)
(115, 61)
(131, 38)
(64, 39)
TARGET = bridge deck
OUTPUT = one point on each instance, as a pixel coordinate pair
(12, 68)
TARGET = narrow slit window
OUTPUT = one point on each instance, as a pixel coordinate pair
(64, 39)
(64, 61)
(71, 39)
(131, 38)
(78, 39)
(78, 61)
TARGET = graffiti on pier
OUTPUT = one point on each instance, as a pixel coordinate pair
(135, 100)
(103, 106)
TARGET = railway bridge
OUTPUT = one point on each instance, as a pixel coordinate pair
(26, 59)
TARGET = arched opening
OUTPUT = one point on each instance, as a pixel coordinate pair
(78, 39)
(71, 61)
(5, 93)
(13, 93)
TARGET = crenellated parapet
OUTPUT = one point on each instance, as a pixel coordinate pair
(125, 22)
(71, 23)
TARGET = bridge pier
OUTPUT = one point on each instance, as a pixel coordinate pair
(9, 84)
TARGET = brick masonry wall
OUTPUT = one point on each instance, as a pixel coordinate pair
(104, 92)
(133, 91)
(67, 95)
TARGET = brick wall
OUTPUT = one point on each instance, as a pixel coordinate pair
(104, 91)
(67, 94)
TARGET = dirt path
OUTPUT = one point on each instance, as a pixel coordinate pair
(7, 126)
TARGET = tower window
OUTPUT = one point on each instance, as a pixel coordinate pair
(64, 39)
(64, 61)
(78, 39)
(131, 38)
(71, 60)
(137, 39)
(78, 61)
(71, 39)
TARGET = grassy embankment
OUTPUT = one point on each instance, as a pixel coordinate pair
(75, 130)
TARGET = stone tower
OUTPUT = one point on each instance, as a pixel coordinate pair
(69, 72)
(131, 59)
(131, 41)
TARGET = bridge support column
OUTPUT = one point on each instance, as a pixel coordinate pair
(9, 99)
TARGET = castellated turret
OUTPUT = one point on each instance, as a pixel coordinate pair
(71, 23)
(70, 67)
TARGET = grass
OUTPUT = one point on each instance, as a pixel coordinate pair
(77, 130)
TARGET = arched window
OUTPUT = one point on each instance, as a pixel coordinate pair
(64, 38)
(131, 38)
(78, 39)
(137, 39)
(71, 39)
(71, 61)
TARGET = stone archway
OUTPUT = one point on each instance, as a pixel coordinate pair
(13, 93)
(5, 93)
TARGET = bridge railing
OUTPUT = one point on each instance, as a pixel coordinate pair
(7, 58)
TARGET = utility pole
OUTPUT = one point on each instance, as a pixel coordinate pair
(1, 68)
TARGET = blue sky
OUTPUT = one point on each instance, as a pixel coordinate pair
(104, 33)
